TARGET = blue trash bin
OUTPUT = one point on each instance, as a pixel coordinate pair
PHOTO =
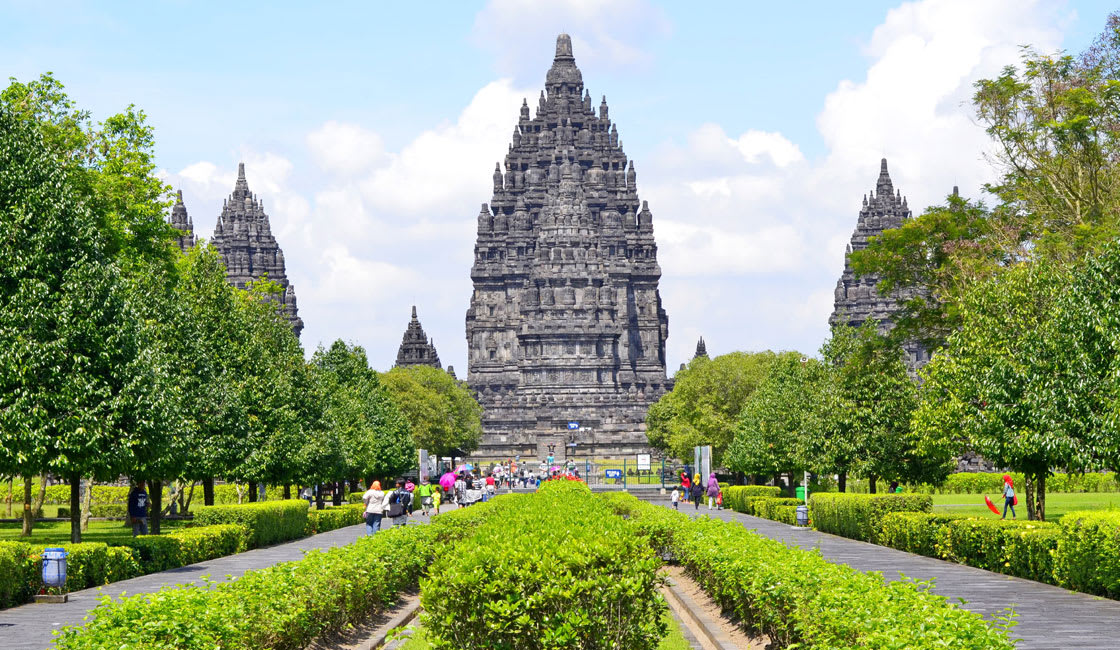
(54, 567)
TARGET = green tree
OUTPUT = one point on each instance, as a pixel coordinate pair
(864, 411)
(443, 415)
(987, 389)
(778, 419)
(68, 340)
(703, 407)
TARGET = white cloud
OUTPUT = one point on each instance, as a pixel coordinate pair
(345, 149)
(605, 33)
(755, 144)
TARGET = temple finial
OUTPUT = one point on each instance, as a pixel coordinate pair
(564, 47)
(240, 171)
(414, 312)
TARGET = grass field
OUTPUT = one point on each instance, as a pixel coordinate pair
(1057, 504)
(58, 532)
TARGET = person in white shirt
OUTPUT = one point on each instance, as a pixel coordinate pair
(676, 497)
(374, 499)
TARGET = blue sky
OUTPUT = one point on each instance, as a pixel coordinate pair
(370, 131)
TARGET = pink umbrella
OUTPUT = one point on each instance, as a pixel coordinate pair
(447, 481)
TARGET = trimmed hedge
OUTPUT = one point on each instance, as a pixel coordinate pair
(1087, 556)
(857, 516)
(187, 546)
(735, 496)
(992, 483)
(15, 583)
(1018, 548)
(795, 596)
(321, 521)
(89, 564)
(283, 606)
(785, 515)
(554, 569)
(268, 522)
(768, 508)
(915, 532)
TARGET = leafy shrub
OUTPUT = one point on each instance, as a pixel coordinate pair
(1019, 548)
(1087, 556)
(320, 521)
(111, 510)
(15, 581)
(797, 597)
(857, 516)
(354, 497)
(64, 511)
(268, 522)
(767, 508)
(785, 514)
(187, 546)
(154, 552)
(915, 532)
(283, 606)
(734, 497)
(88, 564)
(572, 575)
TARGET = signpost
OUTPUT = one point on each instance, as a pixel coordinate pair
(573, 426)
(643, 462)
(425, 471)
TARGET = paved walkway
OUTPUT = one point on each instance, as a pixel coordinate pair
(31, 626)
(1049, 617)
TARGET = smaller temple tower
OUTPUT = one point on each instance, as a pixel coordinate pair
(415, 348)
(701, 349)
(181, 221)
(244, 238)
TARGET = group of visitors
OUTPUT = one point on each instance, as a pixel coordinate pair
(396, 505)
(694, 490)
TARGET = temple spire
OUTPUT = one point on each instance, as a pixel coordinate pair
(701, 349)
(416, 349)
(884, 185)
(182, 222)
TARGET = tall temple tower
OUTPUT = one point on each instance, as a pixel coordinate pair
(415, 348)
(565, 330)
(244, 238)
(858, 299)
(181, 221)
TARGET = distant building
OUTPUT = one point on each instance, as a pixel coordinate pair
(701, 349)
(415, 348)
(181, 221)
(244, 238)
(857, 299)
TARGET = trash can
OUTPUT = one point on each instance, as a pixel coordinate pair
(54, 567)
(803, 516)
(800, 492)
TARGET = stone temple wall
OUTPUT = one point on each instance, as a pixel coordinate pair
(565, 323)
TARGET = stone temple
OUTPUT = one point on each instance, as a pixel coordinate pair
(244, 238)
(415, 348)
(857, 298)
(565, 330)
(181, 221)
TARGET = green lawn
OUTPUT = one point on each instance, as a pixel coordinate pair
(58, 532)
(1057, 504)
(674, 640)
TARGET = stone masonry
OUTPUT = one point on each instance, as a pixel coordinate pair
(415, 348)
(857, 298)
(181, 221)
(244, 238)
(565, 324)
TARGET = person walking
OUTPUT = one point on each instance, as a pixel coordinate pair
(138, 509)
(423, 493)
(1008, 497)
(460, 490)
(713, 490)
(697, 493)
(399, 501)
(491, 488)
(437, 497)
(374, 499)
(675, 497)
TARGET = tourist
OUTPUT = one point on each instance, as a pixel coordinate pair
(437, 497)
(675, 497)
(399, 501)
(1008, 497)
(374, 499)
(491, 488)
(138, 509)
(460, 488)
(685, 483)
(713, 490)
(697, 493)
(719, 501)
(423, 492)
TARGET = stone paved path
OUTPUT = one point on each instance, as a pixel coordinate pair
(1049, 617)
(30, 627)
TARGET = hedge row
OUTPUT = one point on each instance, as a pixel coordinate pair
(268, 522)
(857, 516)
(796, 597)
(283, 606)
(187, 546)
(320, 521)
(992, 483)
(224, 494)
(554, 569)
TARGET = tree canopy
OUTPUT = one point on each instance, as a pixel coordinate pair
(442, 414)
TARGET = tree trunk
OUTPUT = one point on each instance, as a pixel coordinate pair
(355, 485)
(871, 484)
(336, 494)
(87, 500)
(791, 489)
(319, 497)
(207, 491)
(76, 509)
(287, 491)
(1028, 492)
(1040, 496)
(187, 504)
(28, 519)
(156, 496)
(842, 481)
(252, 492)
(11, 494)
